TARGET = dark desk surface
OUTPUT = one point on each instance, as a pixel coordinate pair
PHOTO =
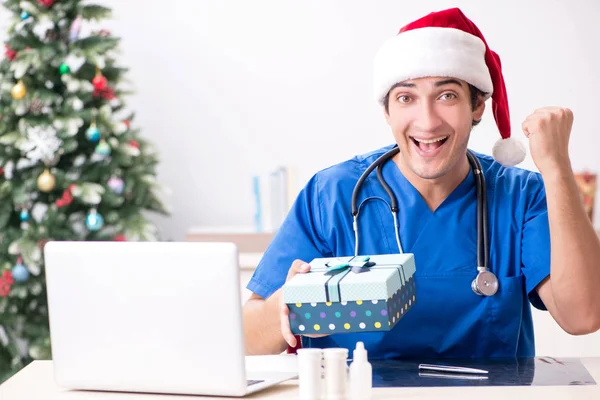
(539, 371)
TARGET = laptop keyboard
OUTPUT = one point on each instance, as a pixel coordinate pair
(253, 382)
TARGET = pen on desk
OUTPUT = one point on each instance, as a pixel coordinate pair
(453, 375)
(449, 368)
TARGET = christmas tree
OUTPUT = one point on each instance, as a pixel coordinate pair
(73, 167)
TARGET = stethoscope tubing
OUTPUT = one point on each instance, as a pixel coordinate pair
(482, 222)
(483, 248)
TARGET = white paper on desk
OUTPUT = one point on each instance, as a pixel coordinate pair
(280, 363)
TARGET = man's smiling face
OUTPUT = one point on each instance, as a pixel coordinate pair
(431, 120)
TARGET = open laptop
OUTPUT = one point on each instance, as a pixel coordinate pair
(151, 317)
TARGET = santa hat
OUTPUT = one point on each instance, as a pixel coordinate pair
(447, 43)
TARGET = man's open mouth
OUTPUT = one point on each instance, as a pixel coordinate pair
(429, 145)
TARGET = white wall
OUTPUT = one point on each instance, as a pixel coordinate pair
(230, 87)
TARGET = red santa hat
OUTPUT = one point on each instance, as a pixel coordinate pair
(447, 43)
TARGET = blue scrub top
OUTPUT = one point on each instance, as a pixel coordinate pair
(448, 319)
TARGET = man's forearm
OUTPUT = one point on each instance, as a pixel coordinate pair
(262, 327)
(575, 254)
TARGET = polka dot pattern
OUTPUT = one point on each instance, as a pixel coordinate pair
(353, 316)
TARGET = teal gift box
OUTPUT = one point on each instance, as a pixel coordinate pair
(349, 294)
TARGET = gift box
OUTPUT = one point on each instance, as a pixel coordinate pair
(351, 294)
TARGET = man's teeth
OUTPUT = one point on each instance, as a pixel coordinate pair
(430, 141)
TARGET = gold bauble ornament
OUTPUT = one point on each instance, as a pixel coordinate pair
(18, 91)
(46, 181)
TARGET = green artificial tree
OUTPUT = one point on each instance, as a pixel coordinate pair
(72, 166)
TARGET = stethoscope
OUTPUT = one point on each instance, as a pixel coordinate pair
(486, 283)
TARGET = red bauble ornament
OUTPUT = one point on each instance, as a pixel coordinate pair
(135, 144)
(9, 53)
(46, 3)
(108, 93)
(99, 82)
(120, 238)
(127, 123)
(6, 281)
(65, 200)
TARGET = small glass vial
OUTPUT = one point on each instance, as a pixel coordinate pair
(336, 373)
(309, 373)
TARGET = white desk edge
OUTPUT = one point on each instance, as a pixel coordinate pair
(36, 382)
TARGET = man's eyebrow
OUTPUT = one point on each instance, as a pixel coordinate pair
(448, 82)
(443, 82)
(403, 84)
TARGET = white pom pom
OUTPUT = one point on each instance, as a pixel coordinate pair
(509, 152)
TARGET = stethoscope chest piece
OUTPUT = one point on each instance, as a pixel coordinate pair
(485, 284)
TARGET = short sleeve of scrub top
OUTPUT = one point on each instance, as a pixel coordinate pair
(535, 241)
(299, 237)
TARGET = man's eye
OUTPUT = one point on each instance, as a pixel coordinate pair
(448, 96)
(403, 99)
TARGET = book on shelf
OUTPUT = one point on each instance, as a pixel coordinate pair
(274, 194)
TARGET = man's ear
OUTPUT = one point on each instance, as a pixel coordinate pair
(479, 109)
(386, 114)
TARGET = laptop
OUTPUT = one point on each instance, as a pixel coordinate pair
(149, 317)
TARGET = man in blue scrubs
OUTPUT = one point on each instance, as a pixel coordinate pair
(432, 81)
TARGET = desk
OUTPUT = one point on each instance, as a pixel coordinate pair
(35, 382)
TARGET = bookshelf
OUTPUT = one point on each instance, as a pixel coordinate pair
(247, 240)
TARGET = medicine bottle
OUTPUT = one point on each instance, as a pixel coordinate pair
(361, 374)
(336, 373)
(309, 373)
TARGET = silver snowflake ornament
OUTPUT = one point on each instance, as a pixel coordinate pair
(41, 144)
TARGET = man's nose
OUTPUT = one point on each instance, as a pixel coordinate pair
(428, 119)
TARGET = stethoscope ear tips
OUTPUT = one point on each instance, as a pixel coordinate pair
(485, 284)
